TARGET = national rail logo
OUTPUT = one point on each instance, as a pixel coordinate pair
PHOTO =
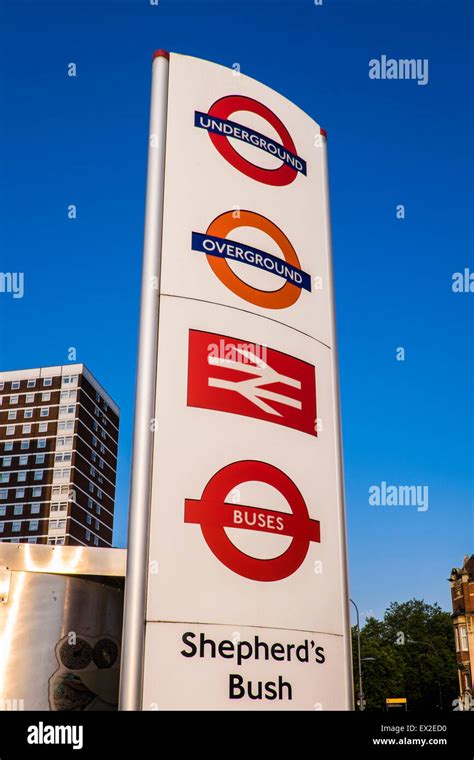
(278, 388)
(220, 128)
(214, 514)
(219, 250)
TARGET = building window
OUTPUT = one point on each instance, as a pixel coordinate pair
(3, 511)
(18, 509)
(23, 459)
(60, 540)
(46, 396)
(28, 414)
(93, 456)
(15, 385)
(463, 638)
(3, 495)
(39, 459)
(32, 540)
(31, 384)
(35, 508)
(99, 493)
(37, 491)
(44, 412)
(91, 488)
(89, 519)
(21, 477)
(26, 428)
(43, 427)
(7, 461)
(64, 443)
(97, 396)
(13, 399)
(94, 440)
(47, 381)
(69, 425)
(38, 475)
(10, 429)
(4, 477)
(20, 493)
(8, 446)
(29, 398)
(97, 509)
(92, 471)
(88, 535)
(90, 503)
(66, 457)
(12, 414)
(96, 541)
(97, 525)
(25, 445)
(16, 527)
(2, 386)
(41, 444)
(2, 525)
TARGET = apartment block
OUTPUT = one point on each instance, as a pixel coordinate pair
(58, 457)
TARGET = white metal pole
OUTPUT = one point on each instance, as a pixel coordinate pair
(131, 675)
(339, 453)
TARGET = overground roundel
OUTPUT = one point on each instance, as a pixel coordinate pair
(219, 249)
(220, 127)
(214, 514)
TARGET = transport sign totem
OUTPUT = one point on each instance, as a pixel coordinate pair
(237, 594)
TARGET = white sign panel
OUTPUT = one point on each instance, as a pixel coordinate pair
(242, 227)
(238, 668)
(244, 522)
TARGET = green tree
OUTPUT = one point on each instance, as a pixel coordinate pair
(411, 655)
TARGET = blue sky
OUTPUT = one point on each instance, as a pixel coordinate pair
(83, 140)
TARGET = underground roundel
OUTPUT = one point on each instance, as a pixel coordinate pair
(213, 513)
(222, 129)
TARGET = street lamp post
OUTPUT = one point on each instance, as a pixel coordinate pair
(361, 693)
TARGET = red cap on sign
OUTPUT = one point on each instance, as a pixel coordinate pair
(161, 54)
(323, 132)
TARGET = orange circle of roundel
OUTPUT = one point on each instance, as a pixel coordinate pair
(281, 298)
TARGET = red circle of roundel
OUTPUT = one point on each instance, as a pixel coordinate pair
(214, 514)
(226, 106)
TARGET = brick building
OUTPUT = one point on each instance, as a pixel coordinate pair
(58, 457)
(462, 593)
